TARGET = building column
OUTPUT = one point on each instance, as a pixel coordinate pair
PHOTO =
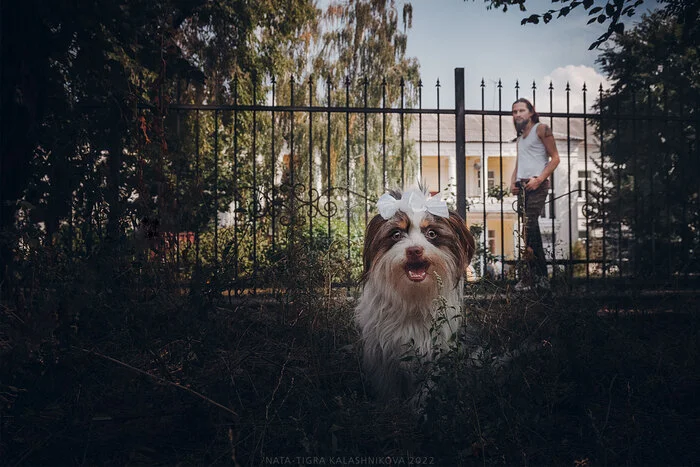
(452, 174)
(485, 178)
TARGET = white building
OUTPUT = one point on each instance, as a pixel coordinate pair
(490, 161)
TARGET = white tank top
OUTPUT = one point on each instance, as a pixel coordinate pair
(532, 155)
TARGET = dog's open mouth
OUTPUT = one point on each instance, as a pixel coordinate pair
(417, 271)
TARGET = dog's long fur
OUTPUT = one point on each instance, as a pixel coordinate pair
(395, 310)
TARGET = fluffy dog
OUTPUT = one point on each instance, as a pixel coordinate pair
(415, 250)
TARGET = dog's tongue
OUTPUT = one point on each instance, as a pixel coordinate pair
(417, 272)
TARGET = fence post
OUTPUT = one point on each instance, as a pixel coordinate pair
(460, 144)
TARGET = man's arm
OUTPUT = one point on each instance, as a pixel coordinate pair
(514, 189)
(545, 134)
(547, 138)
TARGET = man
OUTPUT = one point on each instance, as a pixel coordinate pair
(537, 159)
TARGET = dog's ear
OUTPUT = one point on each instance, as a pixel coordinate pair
(370, 250)
(465, 238)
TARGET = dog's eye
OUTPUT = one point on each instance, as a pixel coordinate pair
(431, 234)
(396, 235)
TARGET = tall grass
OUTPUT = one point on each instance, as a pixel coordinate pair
(107, 360)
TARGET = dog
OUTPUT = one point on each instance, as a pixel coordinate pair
(415, 251)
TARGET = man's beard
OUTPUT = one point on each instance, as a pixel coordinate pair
(520, 126)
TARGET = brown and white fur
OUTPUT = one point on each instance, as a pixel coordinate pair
(402, 256)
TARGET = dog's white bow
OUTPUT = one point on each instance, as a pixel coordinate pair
(412, 201)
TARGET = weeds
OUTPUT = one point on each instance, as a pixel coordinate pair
(533, 383)
(108, 361)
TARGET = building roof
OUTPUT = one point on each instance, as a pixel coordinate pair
(425, 129)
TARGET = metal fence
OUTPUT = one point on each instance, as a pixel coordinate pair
(264, 193)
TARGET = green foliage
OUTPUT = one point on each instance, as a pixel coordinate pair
(102, 162)
(243, 258)
(614, 13)
(539, 383)
(365, 40)
(481, 254)
(650, 198)
(107, 356)
(579, 252)
(117, 55)
(498, 192)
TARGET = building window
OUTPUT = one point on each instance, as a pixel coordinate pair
(548, 206)
(490, 176)
(491, 179)
(552, 214)
(492, 241)
(583, 187)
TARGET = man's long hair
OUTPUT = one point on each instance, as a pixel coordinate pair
(535, 116)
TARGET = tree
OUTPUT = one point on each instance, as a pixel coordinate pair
(59, 58)
(357, 57)
(93, 145)
(612, 12)
(363, 50)
(650, 201)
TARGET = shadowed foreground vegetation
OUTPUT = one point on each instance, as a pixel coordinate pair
(108, 361)
(113, 353)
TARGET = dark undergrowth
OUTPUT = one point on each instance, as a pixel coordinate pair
(112, 363)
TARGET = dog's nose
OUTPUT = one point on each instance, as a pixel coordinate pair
(414, 252)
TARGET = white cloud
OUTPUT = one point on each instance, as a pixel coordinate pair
(575, 76)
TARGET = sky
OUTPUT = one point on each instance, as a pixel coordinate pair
(490, 44)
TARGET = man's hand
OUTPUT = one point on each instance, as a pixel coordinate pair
(514, 188)
(533, 184)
